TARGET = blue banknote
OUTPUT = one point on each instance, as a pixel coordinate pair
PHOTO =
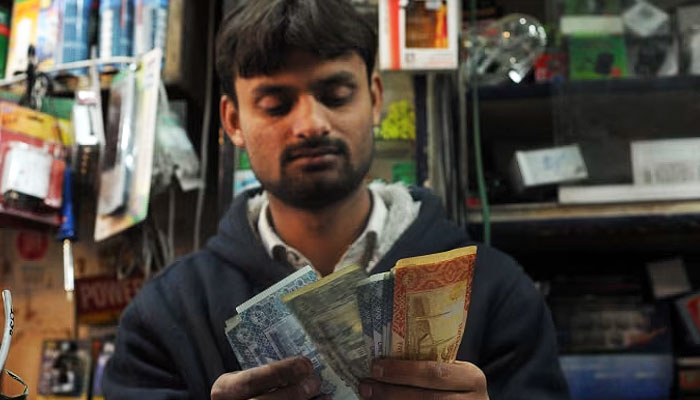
(265, 331)
(371, 303)
(291, 283)
(364, 304)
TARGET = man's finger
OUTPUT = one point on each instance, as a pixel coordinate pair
(457, 377)
(256, 381)
(305, 390)
(384, 391)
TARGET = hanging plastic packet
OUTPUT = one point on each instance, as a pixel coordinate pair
(174, 153)
(117, 161)
(89, 135)
(31, 165)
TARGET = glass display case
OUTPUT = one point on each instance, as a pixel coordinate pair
(590, 165)
(604, 123)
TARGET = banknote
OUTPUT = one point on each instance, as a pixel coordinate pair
(289, 284)
(255, 346)
(328, 311)
(265, 331)
(232, 322)
(240, 350)
(370, 295)
(387, 312)
(364, 304)
(431, 301)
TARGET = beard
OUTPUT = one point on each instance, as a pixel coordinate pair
(307, 190)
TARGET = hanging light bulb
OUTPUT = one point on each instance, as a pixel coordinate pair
(506, 49)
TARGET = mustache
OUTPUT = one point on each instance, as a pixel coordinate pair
(314, 146)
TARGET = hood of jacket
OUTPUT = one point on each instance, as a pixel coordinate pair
(237, 240)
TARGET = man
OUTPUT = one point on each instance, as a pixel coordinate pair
(301, 97)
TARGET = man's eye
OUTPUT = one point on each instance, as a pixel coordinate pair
(274, 106)
(338, 96)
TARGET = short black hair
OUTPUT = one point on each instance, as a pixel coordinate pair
(256, 36)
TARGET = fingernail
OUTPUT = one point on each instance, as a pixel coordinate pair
(311, 386)
(365, 390)
(377, 371)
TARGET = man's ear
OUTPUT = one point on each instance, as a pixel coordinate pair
(230, 121)
(377, 93)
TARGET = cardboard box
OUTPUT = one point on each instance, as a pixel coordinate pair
(549, 166)
(592, 25)
(670, 161)
(419, 35)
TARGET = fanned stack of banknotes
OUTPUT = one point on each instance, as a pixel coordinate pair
(341, 322)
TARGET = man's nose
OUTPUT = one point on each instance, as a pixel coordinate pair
(309, 118)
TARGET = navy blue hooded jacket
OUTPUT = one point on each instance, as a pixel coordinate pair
(171, 342)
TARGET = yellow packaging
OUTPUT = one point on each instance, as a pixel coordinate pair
(29, 122)
(25, 15)
(65, 127)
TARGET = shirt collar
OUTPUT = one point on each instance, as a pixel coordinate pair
(276, 247)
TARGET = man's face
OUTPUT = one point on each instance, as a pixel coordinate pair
(308, 128)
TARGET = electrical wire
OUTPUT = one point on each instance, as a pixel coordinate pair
(206, 123)
(171, 224)
(9, 328)
(463, 148)
(485, 209)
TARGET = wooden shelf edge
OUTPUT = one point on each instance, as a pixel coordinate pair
(542, 212)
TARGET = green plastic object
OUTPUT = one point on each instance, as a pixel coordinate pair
(404, 172)
(59, 107)
(243, 161)
(4, 39)
(597, 57)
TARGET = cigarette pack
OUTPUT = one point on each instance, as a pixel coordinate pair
(419, 35)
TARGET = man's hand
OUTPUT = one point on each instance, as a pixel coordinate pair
(292, 378)
(406, 380)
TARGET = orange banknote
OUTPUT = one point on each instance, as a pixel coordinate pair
(431, 301)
